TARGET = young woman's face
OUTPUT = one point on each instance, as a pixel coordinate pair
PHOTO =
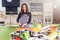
(24, 8)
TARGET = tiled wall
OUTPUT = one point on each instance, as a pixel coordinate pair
(12, 19)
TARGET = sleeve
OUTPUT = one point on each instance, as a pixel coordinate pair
(19, 15)
(29, 18)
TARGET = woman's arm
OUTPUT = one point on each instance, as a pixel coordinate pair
(19, 15)
(29, 18)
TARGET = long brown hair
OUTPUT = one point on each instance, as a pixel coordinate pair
(22, 8)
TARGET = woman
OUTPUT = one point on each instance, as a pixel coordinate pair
(24, 16)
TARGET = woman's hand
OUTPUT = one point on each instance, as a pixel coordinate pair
(24, 24)
(19, 23)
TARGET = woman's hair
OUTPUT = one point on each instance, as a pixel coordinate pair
(22, 7)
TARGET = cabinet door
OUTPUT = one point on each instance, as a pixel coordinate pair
(11, 3)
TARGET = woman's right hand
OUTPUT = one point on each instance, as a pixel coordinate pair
(19, 23)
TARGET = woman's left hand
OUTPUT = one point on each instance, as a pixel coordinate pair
(24, 24)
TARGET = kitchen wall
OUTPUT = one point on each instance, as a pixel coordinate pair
(45, 10)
